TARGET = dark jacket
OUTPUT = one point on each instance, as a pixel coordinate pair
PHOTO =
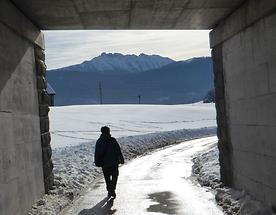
(112, 155)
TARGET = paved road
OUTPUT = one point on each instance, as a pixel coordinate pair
(158, 183)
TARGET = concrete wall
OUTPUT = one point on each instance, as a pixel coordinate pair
(244, 51)
(21, 168)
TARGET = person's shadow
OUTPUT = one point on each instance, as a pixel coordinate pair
(102, 208)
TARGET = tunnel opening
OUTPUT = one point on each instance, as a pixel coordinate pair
(126, 78)
(77, 123)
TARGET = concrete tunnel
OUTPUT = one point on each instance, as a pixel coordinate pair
(243, 42)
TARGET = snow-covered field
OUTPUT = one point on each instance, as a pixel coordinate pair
(139, 129)
(72, 125)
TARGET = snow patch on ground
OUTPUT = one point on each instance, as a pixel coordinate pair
(74, 169)
(207, 171)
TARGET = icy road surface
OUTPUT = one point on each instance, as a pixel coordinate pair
(158, 183)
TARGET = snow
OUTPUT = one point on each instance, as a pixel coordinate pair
(206, 170)
(139, 129)
(161, 183)
(72, 125)
(74, 169)
(116, 62)
(131, 63)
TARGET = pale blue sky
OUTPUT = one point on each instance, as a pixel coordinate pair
(64, 48)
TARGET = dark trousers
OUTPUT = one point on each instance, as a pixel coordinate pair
(111, 177)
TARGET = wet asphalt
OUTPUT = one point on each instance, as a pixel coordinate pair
(158, 183)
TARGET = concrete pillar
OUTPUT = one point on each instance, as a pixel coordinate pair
(23, 114)
(224, 141)
(244, 54)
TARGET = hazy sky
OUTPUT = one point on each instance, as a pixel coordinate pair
(65, 48)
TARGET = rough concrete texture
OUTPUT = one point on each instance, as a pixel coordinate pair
(17, 21)
(21, 172)
(224, 143)
(127, 14)
(43, 102)
(249, 58)
(246, 15)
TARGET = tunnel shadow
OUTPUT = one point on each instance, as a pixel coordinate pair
(104, 207)
(15, 51)
(164, 203)
(17, 61)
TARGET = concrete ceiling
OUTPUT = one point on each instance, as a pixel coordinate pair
(126, 14)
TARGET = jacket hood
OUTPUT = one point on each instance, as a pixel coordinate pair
(105, 136)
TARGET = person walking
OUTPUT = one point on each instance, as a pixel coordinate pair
(108, 155)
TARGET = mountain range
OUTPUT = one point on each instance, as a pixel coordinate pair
(108, 63)
(125, 78)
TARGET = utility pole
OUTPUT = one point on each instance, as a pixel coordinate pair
(101, 92)
(139, 99)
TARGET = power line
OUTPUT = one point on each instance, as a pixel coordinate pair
(139, 99)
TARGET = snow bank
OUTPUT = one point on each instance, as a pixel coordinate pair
(207, 171)
(74, 168)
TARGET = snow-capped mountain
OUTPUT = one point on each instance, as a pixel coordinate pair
(176, 83)
(119, 63)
